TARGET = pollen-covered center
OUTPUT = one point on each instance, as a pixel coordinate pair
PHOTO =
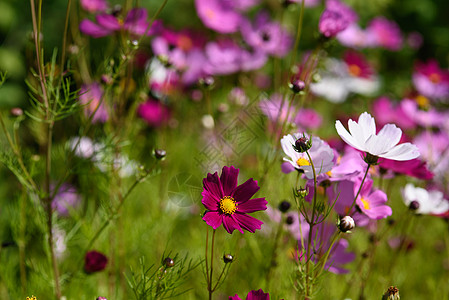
(354, 70)
(365, 204)
(302, 162)
(228, 205)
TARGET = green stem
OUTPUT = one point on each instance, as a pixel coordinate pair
(360, 188)
(211, 265)
(273, 253)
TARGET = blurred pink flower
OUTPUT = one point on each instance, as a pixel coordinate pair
(94, 6)
(218, 15)
(266, 35)
(153, 112)
(431, 81)
(336, 17)
(91, 95)
(384, 33)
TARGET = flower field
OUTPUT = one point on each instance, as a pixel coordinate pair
(224, 149)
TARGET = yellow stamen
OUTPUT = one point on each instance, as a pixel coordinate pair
(422, 102)
(32, 298)
(329, 173)
(228, 205)
(302, 162)
(365, 203)
(185, 43)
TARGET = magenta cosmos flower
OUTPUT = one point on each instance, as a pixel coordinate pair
(228, 203)
(253, 295)
(384, 33)
(431, 81)
(135, 23)
(335, 18)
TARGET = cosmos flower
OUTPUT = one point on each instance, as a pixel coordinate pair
(386, 111)
(431, 81)
(228, 203)
(414, 168)
(253, 295)
(153, 112)
(266, 35)
(94, 6)
(321, 241)
(384, 33)
(91, 96)
(429, 202)
(65, 200)
(336, 17)
(321, 153)
(353, 74)
(135, 23)
(218, 15)
(372, 203)
(362, 136)
(94, 261)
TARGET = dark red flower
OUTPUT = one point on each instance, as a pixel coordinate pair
(95, 261)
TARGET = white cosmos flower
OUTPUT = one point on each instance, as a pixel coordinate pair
(430, 202)
(362, 136)
(321, 154)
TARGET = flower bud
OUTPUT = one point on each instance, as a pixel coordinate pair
(289, 220)
(16, 112)
(296, 86)
(371, 159)
(346, 224)
(414, 205)
(206, 81)
(169, 262)
(391, 294)
(101, 298)
(228, 258)
(302, 144)
(160, 153)
(284, 206)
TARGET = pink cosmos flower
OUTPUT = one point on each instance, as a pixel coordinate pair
(372, 203)
(91, 96)
(153, 112)
(414, 168)
(218, 15)
(321, 239)
(384, 33)
(353, 36)
(362, 136)
(428, 117)
(386, 112)
(267, 36)
(253, 295)
(336, 17)
(229, 204)
(135, 22)
(94, 6)
(66, 199)
(431, 81)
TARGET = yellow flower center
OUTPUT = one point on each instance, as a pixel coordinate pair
(302, 162)
(354, 70)
(365, 203)
(329, 173)
(228, 205)
(32, 298)
(422, 102)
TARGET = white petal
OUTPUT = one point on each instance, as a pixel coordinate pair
(392, 133)
(401, 152)
(346, 136)
(357, 132)
(368, 125)
(378, 146)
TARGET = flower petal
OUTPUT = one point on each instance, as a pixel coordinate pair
(90, 28)
(230, 224)
(228, 179)
(213, 218)
(346, 136)
(252, 205)
(367, 124)
(247, 222)
(210, 201)
(405, 151)
(245, 191)
(213, 185)
(109, 22)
